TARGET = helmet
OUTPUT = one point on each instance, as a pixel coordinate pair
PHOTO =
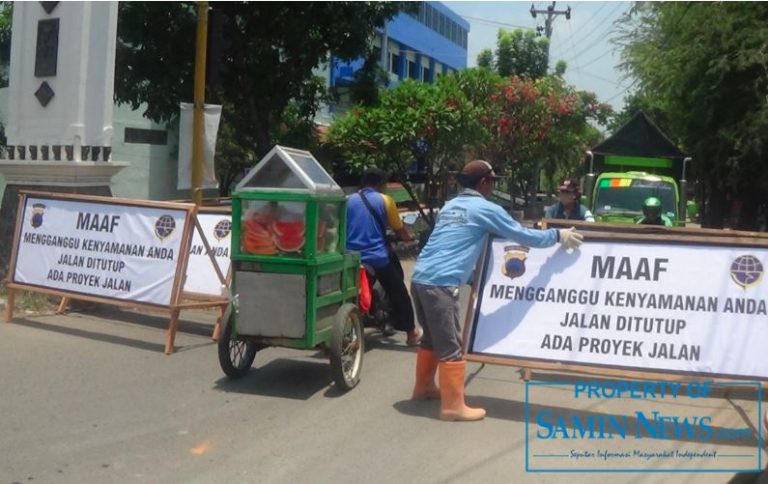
(652, 203)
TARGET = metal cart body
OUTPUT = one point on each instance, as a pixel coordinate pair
(293, 284)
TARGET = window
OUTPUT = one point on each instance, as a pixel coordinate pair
(422, 12)
(428, 15)
(394, 63)
(413, 73)
(425, 74)
(465, 38)
(146, 136)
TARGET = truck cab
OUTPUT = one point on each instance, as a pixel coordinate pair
(618, 197)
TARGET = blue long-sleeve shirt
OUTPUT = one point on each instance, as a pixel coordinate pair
(451, 253)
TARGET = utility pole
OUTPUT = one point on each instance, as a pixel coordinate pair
(551, 14)
(198, 130)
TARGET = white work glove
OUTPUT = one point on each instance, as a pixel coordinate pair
(570, 239)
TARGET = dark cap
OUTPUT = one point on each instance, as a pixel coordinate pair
(474, 171)
(569, 186)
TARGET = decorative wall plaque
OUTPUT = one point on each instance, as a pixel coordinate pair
(46, 56)
(49, 6)
(44, 94)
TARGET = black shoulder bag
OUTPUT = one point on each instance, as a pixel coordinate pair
(392, 254)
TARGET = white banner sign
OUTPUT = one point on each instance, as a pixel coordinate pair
(125, 252)
(201, 276)
(660, 306)
(212, 116)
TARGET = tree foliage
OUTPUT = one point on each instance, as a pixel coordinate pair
(706, 66)
(264, 63)
(540, 126)
(518, 53)
(6, 19)
(434, 124)
(522, 126)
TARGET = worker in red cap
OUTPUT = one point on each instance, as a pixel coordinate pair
(569, 204)
(447, 262)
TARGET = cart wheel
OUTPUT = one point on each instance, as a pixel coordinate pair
(347, 347)
(235, 356)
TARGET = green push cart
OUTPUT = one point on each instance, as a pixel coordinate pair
(293, 283)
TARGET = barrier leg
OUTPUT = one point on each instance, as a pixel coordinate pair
(172, 331)
(63, 304)
(219, 320)
(11, 295)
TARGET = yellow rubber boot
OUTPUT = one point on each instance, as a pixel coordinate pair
(452, 406)
(426, 368)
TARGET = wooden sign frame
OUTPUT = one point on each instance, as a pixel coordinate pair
(225, 279)
(177, 300)
(604, 232)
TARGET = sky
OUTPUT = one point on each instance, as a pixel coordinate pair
(584, 41)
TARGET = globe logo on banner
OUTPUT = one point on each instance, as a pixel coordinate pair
(38, 210)
(514, 261)
(222, 229)
(746, 270)
(164, 226)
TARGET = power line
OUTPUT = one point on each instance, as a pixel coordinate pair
(568, 40)
(600, 37)
(582, 66)
(600, 78)
(594, 27)
(596, 42)
(621, 93)
(495, 22)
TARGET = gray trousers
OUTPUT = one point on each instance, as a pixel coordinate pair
(437, 309)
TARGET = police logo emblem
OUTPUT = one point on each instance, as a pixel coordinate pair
(38, 210)
(514, 261)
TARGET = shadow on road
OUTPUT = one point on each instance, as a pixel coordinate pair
(419, 408)
(283, 378)
(81, 333)
(146, 320)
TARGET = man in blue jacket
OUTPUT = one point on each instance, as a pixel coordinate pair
(447, 262)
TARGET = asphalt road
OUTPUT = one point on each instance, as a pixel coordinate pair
(92, 398)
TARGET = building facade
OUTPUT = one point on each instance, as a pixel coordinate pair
(422, 45)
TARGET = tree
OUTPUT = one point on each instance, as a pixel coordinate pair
(485, 59)
(533, 125)
(639, 101)
(518, 124)
(435, 124)
(518, 53)
(266, 56)
(709, 77)
(368, 80)
(6, 20)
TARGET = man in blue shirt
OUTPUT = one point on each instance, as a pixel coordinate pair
(447, 262)
(367, 211)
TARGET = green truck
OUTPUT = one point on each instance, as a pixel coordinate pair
(635, 163)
